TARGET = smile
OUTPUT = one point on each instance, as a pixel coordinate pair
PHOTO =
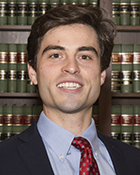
(69, 85)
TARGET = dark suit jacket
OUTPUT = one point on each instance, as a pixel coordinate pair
(25, 154)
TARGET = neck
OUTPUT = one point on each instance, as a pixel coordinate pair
(76, 123)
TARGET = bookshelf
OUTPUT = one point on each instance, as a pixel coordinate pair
(126, 34)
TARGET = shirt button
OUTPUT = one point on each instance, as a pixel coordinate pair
(96, 154)
(61, 156)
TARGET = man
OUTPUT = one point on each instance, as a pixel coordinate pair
(69, 49)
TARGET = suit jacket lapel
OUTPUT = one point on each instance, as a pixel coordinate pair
(115, 154)
(33, 153)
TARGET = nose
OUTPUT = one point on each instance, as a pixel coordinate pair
(71, 67)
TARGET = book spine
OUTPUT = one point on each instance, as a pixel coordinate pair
(36, 112)
(12, 75)
(125, 12)
(116, 11)
(12, 12)
(17, 119)
(136, 69)
(93, 3)
(126, 68)
(135, 13)
(116, 69)
(1, 122)
(73, 2)
(7, 121)
(127, 124)
(116, 122)
(3, 12)
(136, 127)
(32, 11)
(3, 67)
(31, 88)
(83, 2)
(43, 7)
(54, 3)
(22, 10)
(27, 116)
(21, 68)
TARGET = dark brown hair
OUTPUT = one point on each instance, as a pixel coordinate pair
(70, 14)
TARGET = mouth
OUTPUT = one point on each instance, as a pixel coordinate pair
(69, 85)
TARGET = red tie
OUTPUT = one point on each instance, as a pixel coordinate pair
(88, 165)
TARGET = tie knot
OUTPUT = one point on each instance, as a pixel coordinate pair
(81, 143)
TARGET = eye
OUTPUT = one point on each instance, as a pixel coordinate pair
(85, 57)
(55, 56)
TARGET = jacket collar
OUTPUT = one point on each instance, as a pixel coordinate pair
(115, 154)
(33, 153)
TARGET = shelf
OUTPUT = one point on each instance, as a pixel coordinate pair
(125, 95)
(21, 95)
(128, 28)
(28, 28)
(15, 27)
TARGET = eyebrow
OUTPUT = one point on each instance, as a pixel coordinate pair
(83, 48)
(51, 47)
(88, 48)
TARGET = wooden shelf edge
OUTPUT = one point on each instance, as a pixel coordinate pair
(128, 28)
(28, 28)
(125, 95)
(15, 27)
(19, 95)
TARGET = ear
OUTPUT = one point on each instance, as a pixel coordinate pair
(103, 76)
(32, 74)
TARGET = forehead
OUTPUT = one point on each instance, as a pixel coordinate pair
(71, 33)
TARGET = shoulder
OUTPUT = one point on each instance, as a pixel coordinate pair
(11, 144)
(124, 148)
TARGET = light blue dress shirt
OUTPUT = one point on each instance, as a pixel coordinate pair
(65, 158)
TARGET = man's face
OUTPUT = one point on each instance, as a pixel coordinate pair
(68, 69)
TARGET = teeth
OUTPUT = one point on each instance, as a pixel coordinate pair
(68, 85)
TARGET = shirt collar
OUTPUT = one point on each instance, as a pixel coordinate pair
(54, 135)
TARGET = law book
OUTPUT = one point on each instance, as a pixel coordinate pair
(12, 67)
(1, 122)
(54, 3)
(136, 68)
(64, 2)
(11, 12)
(7, 121)
(43, 7)
(21, 68)
(127, 124)
(83, 2)
(127, 68)
(27, 116)
(36, 112)
(116, 122)
(3, 67)
(95, 115)
(32, 11)
(125, 12)
(17, 119)
(116, 69)
(73, 2)
(94, 3)
(116, 11)
(22, 12)
(30, 87)
(3, 12)
(136, 127)
(135, 12)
